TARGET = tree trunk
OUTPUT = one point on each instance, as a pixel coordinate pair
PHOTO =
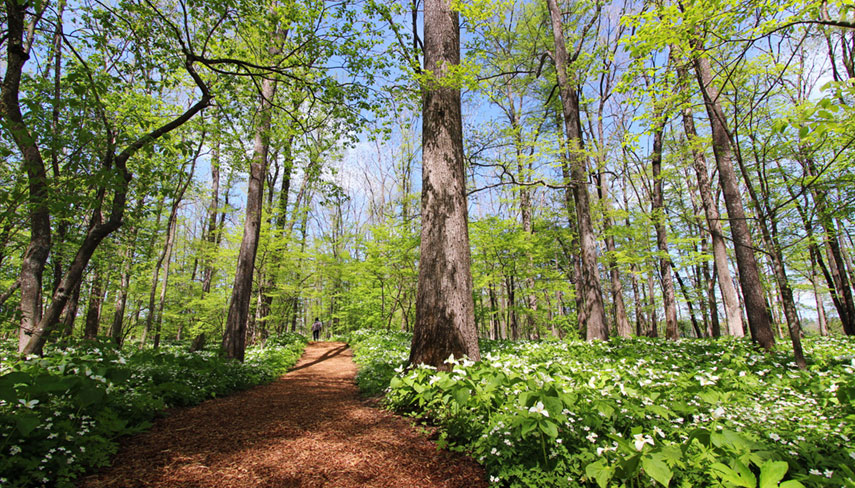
(96, 299)
(69, 312)
(167, 261)
(234, 337)
(821, 320)
(688, 299)
(35, 257)
(213, 206)
(445, 315)
(732, 312)
(666, 278)
(125, 280)
(596, 324)
(839, 279)
(749, 273)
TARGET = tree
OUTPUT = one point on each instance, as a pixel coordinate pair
(445, 314)
(596, 324)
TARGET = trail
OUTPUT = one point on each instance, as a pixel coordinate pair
(309, 428)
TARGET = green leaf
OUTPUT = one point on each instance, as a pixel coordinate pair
(599, 472)
(657, 469)
(734, 477)
(549, 429)
(791, 484)
(26, 423)
(462, 395)
(772, 472)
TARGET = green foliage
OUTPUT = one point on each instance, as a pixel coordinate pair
(61, 414)
(640, 412)
(380, 356)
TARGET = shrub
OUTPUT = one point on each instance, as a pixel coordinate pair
(61, 414)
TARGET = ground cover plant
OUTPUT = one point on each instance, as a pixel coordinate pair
(636, 412)
(61, 414)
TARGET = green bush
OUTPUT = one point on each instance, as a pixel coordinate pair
(61, 414)
(643, 412)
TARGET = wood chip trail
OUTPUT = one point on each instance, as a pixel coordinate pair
(309, 428)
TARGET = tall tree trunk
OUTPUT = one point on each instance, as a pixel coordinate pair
(595, 312)
(213, 206)
(651, 304)
(35, 257)
(234, 337)
(666, 278)
(768, 223)
(688, 299)
(167, 261)
(445, 315)
(96, 300)
(714, 329)
(836, 266)
(821, 321)
(732, 312)
(69, 312)
(749, 273)
(125, 280)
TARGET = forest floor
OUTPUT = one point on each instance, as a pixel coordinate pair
(308, 428)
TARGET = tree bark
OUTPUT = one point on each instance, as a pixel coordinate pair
(96, 300)
(35, 257)
(732, 312)
(749, 273)
(596, 324)
(666, 278)
(234, 337)
(445, 311)
(125, 280)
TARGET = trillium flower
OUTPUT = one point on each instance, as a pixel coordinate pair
(641, 440)
(718, 413)
(538, 408)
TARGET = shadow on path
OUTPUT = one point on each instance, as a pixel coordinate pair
(327, 355)
(309, 428)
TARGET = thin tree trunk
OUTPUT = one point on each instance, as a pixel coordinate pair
(822, 322)
(125, 280)
(96, 299)
(732, 311)
(688, 299)
(651, 297)
(170, 244)
(596, 324)
(69, 312)
(669, 298)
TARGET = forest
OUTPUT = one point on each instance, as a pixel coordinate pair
(624, 186)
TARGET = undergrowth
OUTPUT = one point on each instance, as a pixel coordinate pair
(634, 412)
(61, 414)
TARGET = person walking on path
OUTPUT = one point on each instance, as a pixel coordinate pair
(316, 329)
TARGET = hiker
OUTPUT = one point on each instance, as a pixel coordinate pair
(316, 329)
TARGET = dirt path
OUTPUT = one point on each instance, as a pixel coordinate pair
(306, 429)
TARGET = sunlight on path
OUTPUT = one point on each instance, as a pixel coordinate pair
(306, 429)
